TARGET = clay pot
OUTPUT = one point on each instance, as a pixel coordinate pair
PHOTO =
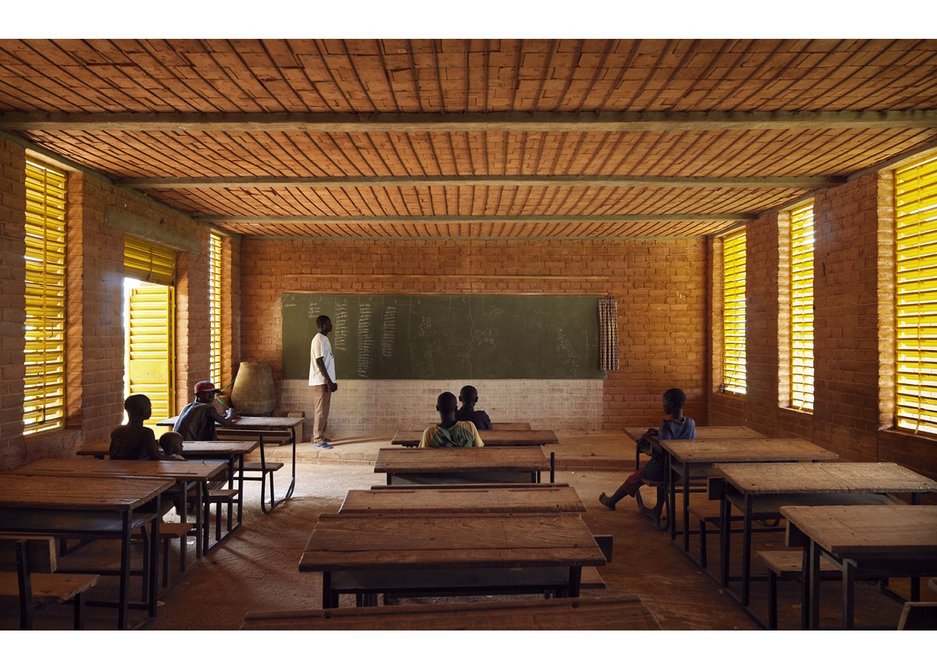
(253, 392)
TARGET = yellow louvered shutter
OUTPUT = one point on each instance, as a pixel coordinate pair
(802, 239)
(214, 308)
(149, 262)
(150, 348)
(733, 313)
(916, 299)
(44, 386)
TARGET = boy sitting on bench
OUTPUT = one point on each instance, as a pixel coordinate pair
(133, 440)
(450, 433)
(468, 395)
(677, 426)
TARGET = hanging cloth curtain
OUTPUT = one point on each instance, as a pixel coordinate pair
(608, 334)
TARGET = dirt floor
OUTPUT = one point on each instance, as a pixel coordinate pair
(255, 569)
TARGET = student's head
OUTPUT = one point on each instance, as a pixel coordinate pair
(171, 443)
(138, 407)
(324, 323)
(674, 398)
(446, 403)
(205, 391)
(468, 395)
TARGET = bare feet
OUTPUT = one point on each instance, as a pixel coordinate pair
(605, 501)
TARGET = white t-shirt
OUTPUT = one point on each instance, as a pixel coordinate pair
(320, 348)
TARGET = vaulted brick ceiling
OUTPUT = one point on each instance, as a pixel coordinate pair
(473, 138)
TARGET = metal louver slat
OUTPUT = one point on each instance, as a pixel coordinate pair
(44, 291)
(916, 293)
(733, 303)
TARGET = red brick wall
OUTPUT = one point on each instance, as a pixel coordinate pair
(853, 329)
(95, 341)
(12, 302)
(659, 286)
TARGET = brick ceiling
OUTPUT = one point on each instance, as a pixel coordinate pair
(473, 138)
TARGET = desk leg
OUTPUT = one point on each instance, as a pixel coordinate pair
(575, 580)
(289, 492)
(813, 573)
(327, 596)
(240, 493)
(153, 580)
(725, 513)
(686, 507)
(201, 493)
(746, 551)
(123, 591)
(805, 589)
(849, 599)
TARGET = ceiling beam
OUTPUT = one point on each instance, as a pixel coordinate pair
(328, 221)
(187, 183)
(625, 121)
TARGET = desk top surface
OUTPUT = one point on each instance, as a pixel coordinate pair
(819, 477)
(538, 499)
(718, 450)
(891, 531)
(429, 460)
(442, 541)
(77, 492)
(179, 470)
(248, 422)
(491, 437)
(622, 612)
(195, 449)
(704, 432)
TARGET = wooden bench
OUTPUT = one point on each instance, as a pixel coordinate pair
(262, 469)
(621, 612)
(27, 572)
(707, 514)
(787, 565)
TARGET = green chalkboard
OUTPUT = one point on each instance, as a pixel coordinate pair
(446, 336)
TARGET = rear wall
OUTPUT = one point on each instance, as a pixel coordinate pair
(659, 286)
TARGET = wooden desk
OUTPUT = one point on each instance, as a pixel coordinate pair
(190, 472)
(441, 465)
(492, 438)
(449, 554)
(87, 507)
(689, 457)
(891, 541)
(619, 613)
(764, 488)
(232, 451)
(424, 501)
(635, 434)
(261, 423)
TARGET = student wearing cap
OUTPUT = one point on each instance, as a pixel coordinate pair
(197, 420)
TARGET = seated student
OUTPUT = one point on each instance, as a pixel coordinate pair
(450, 433)
(468, 395)
(677, 426)
(197, 420)
(171, 443)
(133, 440)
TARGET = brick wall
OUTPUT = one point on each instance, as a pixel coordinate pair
(12, 302)
(853, 329)
(659, 286)
(95, 340)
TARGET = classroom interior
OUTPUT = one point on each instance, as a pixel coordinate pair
(645, 171)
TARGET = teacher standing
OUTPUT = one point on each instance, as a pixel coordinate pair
(322, 381)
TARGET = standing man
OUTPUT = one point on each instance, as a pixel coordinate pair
(322, 381)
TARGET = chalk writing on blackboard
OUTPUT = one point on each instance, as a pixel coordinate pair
(365, 340)
(339, 333)
(389, 331)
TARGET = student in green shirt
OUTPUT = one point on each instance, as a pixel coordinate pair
(450, 433)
